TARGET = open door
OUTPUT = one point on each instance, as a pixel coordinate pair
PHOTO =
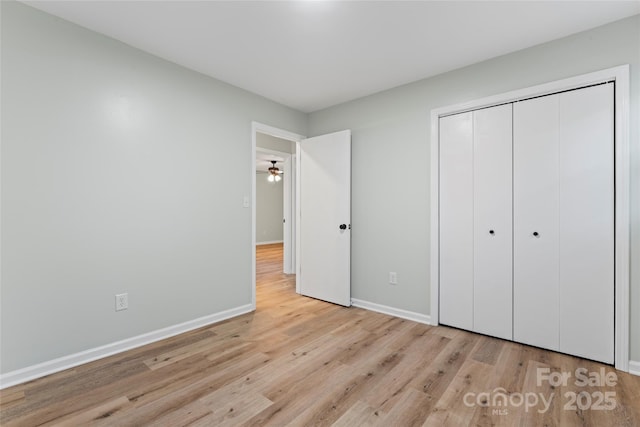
(324, 212)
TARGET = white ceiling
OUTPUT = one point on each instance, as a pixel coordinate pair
(311, 55)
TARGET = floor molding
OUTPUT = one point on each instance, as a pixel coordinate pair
(634, 367)
(56, 365)
(397, 312)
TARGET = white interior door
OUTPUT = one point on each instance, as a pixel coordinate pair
(456, 220)
(492, 205)
(324, 212)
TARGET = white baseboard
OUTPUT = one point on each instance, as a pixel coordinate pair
(270, 242)
(56, 365)
(634, 367)
(404, 314)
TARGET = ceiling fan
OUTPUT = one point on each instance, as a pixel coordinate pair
(274, 172)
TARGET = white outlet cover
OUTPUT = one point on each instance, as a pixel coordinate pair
(122, 301)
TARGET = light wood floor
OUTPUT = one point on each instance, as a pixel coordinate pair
(299, 361)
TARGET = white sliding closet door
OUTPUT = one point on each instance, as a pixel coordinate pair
(563, 155)
(527, 221)
(492, 255)
(475, 221)
(535, 222)
(456, 221)
(586, 218)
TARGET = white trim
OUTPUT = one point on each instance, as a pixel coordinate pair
(60, 364)
(621, 76)
(391, 311)
(278, 133)
(634, 367)
(434, 231)
(269, 242)
(254, 129)
(575, 82)
(297, 216)
(622, 206)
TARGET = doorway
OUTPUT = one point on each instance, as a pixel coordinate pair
(272, 144)
(322, 165)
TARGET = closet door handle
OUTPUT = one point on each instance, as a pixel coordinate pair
(492, 232)
(536, 234)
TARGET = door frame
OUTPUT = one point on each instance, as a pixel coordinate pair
(620, 75)
(257, 127)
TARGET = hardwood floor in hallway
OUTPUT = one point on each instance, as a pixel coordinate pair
(303, 362)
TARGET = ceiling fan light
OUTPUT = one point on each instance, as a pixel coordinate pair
(274, 172)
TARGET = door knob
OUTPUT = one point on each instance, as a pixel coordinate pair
(492, 232)
(536, 234)
(343, 226)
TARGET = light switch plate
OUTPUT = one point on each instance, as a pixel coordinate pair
(393, 278)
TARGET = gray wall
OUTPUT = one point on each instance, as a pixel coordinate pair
(269, 209)
(390, 152)
(112, 181)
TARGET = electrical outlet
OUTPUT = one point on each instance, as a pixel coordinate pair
(122, 302)
(393, 278)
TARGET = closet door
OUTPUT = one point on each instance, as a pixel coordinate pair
(456, 221)
(586, 215)
(564, 222)
(535, 222)
(492, 254)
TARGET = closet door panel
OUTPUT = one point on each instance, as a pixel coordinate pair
(586, 217)
(535, 222)
(492, 292)
(456, 221)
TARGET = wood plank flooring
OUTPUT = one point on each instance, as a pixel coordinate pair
(302, 362)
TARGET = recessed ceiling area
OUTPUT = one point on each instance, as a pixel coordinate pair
(310, 55)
